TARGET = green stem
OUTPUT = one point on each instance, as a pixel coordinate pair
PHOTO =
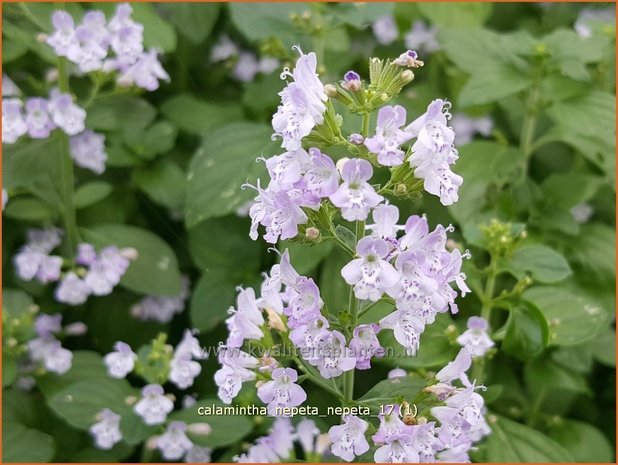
(528, 127)
(68, 177)
(365, 129)
(316, 379)
(487, 305)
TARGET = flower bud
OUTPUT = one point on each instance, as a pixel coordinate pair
(321, 444)
(407, 76)
(312, 233)
(130, 400)
(76, 329)
(151, 444)
(129, 253)
(401, 189)
(51, 75)
(203, 429)
(274, 321)
(42, 38)
(356, 139)
(351, 81)
(330, 90)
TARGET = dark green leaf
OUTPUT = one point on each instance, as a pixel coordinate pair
(492, 82)
(194, 20)
(22, 444)
(543, 263)
(164, 183)
(583, 441)
(91, 192)
(197, 116)
(527, 333)
(456, 15)
(118, 112)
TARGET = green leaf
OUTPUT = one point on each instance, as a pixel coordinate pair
(306, 257)
(16, 303)
(513, 442)
(9, 370)
(226, 160)
(545, 264)
(567, 45)
(194, 20)
(30, 209)
(456, 15)
(12, 50)
(80, 402)
(22, 444)
(544, 377)
(597, 263)
(163, 183)
(572, 318)
(603, 348)
(226, 429)
(360, 15)
(192, 115)
(583, 441)
(119, 112)
(407, 387)
(211, 298)
(156, 139)
(565, 190)
(155, 271)
(91, 192)
(435, 348)
(261, 21)
(527, 333)
(492, 82)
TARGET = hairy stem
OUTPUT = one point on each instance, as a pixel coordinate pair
(68, 177)
(487, 299)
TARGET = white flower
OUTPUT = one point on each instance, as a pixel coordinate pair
(475, 339)
(121, 362)
(174, 443)
(154, 406)
(106, 431)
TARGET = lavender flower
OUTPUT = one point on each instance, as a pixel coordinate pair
(106, 431)
(332, 357)
(246, 67)
(50, 352)
(385, 30)
(223, 49)
(63, 36)
(355, 196)
(9, 88)
(365, 345)
(198, 454)
(146, 72)
(183, 369)
(47, 325)
(38, 119)
(422, 38)
(466, 127)
(475, 339)
(174, 443)
(162, 308)
(307, 432)
(457, 368)
(322, 178)
(351, 81)
(90, 43)
(245, 321)
(306, 303)
(65, 114)
(389, 137)
(370, 274)
(281, 391)
(391, 424)
(13, 123)
(386, 217)
(72, 290)
(154, 406)
(120, 362)
(236, 368)
(397, 373)
(398, 449)
(349, 439)
(88, 151)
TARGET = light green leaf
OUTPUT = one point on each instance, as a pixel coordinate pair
(306, 257)
(152, 141)
(407, 388)
(544, 377)
(155, 271)
(85, 365)
(30, 209)
(572, 318)
(492, 82)
(361, 14)
(226, 160)
(527, 333)
(456, 15)
(163, 182)
(513, 442)
(190, 114)
(604, 348)
(193, 20)
(22, 444)
(211, 298)
(542, 262)
(158, 33)
(583, 441)
(119, 112)
(91, 192)
(16, 303)
(259, 21)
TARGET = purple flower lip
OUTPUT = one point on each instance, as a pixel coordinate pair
(412, 54)
(351, 76)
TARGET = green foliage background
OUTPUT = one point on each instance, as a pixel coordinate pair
(178, 156)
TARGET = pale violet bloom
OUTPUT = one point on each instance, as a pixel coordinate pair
(391, 424)
(475, 339)
(162, 308)
(198, 454)
(107, 270)
(49, 351)
(126, 37)
(237, 367)
(306, 303)
(408, 59)
(120, 362)
(355, 196)
(9, 88)
(364, 345)
(397, 373)
(154, 406)
(302, 103)
(371, 275)
(385, 30)
(47, 325)
(455, 369)
(72, 290)
(582, 212)
(89, 47)
(65, 114)
(63, 36)
(38, 119)
(86, 254)
(433, 152)
(223, 49)
(307, 432)
(267, 65)
(322, 178)
(466, 127)
(389, 136)
(349, 438)
(589, 18)
(422, 38)
(407, 329)
(88, 151)
(398, 449)
(106, 431)
(174, 443)
(146, 72)
(287, 169)
(183, 370)
(332, 356)
(274, 447)
(282, 391)
(13, 123)
(247, 66)
(385, 219)
(190, 345)
(245, 321)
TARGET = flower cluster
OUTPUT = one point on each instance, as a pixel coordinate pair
(117, 45)
(278, 445)
(246, 65)
(161, 308)
(39, 117)
(458, 423)
(47, 349)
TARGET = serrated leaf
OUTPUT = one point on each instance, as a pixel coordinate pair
(542, 262)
